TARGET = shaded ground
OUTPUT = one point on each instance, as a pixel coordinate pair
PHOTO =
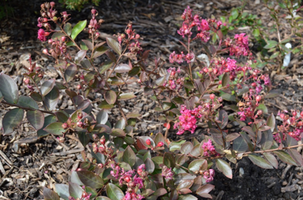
(42, 162)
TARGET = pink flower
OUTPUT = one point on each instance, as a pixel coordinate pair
(208, 149)
(208, 175)
(42, 35)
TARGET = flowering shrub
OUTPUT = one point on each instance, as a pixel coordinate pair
(210, 89)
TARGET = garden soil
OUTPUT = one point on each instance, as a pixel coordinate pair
(29, 163)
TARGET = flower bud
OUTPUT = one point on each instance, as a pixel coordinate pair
(64, 125)
(93, 11)
(52, 4)
(26, 81)
(148, 142)
(102, 140)
(258, 98)
(63, 38)
(160, 144)
(212, 96)
(45, 51)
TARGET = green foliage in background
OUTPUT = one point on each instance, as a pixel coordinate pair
(77, 4)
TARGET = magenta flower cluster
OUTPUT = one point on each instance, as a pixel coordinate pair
(132, 179)
(208, 175)
(292, 125)
(209, 149)
(187, 120)
(167, 173)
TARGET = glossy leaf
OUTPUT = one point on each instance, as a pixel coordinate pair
(49, 194)
(204, 190)
(186, 148)
(114, 192)
(271, 159)
(35, 118)
(173, 146)
(224, 167)
(114, 45)
(122, 68)
(129, 156)
(102, 117)
(70, 72)
(27, 102)
(80, 56)
(118, 132)
(47, 120)
(90, 179)
(52, 98)
(263, 108)
(8, 89)
(74, 178)
(78, 28)
(75, 190)
(240, 145)
(105, 67)
(120, 124)
(149, 164)
(110, 97)
(259, 161)
(100, 51)
(296, 156)
(47, 86)
(196, 164)
(55, 128)
(11, 120)
(102, 198)
(62, 191)
(271, 44)
(271, 122)
(285, 157)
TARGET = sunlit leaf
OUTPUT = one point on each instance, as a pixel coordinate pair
(259, 161)
(90, 179)
(114, 45)
(224, 167)
(78, 28)
(49, 194)
(35, 118)
(55, 128)
(114, 192)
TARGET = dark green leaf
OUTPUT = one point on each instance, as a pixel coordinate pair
(8, 89)
(27, 102)
(70, 72)
(90, 179)
(285, 157)
(113, 192)
(261, 162)
(271, 44)
(129, 156)
(271, 159)
(225, 79)
(47, 86)
(75, 190)
(51, 99)
(68, 29)
(263, 108)
(12, 119)
(35, 118)
(105, 67)
(55, 128)
(80, 56)
(239, 145)
(271, 122)
(114, 45)
(47, 120)
(118, 132)
(78, 28)
(100, 51)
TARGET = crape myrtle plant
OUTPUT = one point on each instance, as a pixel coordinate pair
(211, 89)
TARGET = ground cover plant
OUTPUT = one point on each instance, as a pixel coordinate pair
(212, 88)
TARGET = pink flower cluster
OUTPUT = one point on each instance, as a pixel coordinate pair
(174, 82)
(292, 125)
(203, 26)
(42, 35)
(167, 173)
(132, 179)
(208, 175)
(179, 58)
(187, 119)
(209, 149)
